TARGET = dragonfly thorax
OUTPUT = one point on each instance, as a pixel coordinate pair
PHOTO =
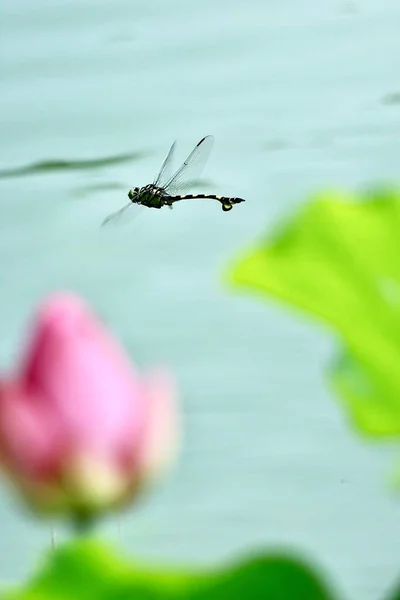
(149, 195)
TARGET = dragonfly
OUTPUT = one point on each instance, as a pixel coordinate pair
(167, 189)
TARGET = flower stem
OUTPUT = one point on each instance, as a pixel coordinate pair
(83, 523)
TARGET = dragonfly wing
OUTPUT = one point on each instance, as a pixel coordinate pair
(165, 172)
(191, 168)
(123, 215)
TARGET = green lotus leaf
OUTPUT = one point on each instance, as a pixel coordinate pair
(86, 570)
(338, 260)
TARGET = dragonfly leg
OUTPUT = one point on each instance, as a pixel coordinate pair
(167, 201)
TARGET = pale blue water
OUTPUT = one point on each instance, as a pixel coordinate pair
(293, 93)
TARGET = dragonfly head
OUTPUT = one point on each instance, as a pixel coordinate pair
(133, 194)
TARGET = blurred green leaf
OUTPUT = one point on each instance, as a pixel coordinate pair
(394, 591)
(50, 166)
(86, 570)
(338, 259)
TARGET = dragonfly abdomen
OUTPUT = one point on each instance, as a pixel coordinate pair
(226, 203)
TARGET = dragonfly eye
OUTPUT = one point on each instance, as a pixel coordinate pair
(133, 193)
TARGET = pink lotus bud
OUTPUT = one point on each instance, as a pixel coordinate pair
(80, 431)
